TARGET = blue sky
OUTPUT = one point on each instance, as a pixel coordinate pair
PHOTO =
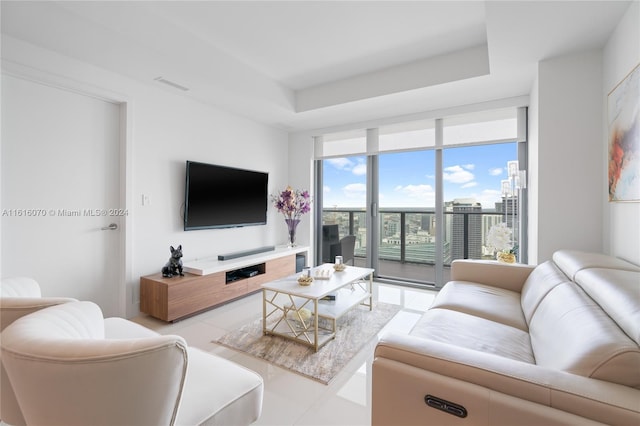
(408, 179)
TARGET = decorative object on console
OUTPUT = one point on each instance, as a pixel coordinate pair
(499, 240)
(174, 265)
(292, 203)
(292, 224)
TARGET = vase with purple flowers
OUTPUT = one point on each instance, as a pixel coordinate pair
(292, 203)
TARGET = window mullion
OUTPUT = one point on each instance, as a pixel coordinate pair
(439, 208)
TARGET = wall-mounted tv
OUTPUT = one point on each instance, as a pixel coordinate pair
(224, 197)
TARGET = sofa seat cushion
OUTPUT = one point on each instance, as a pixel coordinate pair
(484, 301)
(219, 392)
(472, 332)
(621, 301)
(216, 392)
(570, 332)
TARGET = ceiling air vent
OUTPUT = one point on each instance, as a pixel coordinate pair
(171, 83)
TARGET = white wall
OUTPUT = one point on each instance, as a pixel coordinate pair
(621, 54)
(301, 177)
(166, 129)
(568, 175)
(533, 174)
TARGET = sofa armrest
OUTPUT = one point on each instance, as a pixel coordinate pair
(507, 276)
(520, 385)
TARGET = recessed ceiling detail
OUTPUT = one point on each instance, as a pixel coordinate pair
(302, 65)
(446, 68)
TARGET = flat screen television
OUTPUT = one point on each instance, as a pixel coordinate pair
(224, 197)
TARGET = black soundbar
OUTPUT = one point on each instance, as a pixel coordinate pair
(245, 253)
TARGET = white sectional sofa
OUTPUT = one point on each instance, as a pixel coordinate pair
(502, 344)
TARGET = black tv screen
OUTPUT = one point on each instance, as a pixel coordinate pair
(224, 197)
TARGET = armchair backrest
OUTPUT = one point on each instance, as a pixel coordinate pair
(64, 371)
(348, 245)
(19, 287)
(19, 296)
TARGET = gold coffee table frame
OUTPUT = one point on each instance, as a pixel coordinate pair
(289, 309)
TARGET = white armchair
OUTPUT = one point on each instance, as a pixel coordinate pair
(70, 366)
(19, 296)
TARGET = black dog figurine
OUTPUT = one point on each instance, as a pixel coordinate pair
(174, 265)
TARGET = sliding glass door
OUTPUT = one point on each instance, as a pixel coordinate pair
(406, 194)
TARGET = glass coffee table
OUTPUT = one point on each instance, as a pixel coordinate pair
(308, 314)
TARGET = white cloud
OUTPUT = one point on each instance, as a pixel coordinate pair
(360, 169)
(326, 189)
(355, 190)
(457, 174)
(421, 195)
(341, 163)
(469, 166)
(469, 185)
(496, 171)
(415, 191)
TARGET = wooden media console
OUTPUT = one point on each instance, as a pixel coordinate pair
(209, 283)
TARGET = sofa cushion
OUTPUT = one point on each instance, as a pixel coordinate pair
(570, 332)
(469, 331)
(573, 261)
(540, 282)
(485, 301)
(219, 392)
(620, 300)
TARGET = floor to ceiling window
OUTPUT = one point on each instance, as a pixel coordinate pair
(418, 195)
(343, 194)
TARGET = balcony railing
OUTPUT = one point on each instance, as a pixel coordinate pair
(407, 236)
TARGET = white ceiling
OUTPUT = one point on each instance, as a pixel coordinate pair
(301, 65)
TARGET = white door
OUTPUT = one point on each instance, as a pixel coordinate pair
(60, 188)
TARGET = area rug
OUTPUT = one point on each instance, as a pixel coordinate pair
(354, 329)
